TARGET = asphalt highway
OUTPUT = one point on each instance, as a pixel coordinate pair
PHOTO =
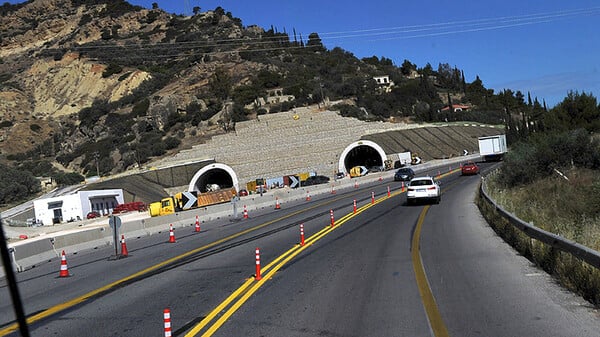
(387, 270)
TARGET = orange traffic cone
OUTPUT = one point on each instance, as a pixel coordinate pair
(355, 184)
(307, 196)
(332, 189)
(124, 252)
(64, 271)
(197, 227)
(277, 205)
(171, 234)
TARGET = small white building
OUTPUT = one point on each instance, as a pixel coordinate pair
(76, 206)
(384, 83)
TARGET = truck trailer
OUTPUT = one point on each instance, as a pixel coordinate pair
(492, 148)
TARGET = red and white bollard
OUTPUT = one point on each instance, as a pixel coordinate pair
(389, 192)
(167, 320)
(197, 227)
(372, 198)
(332, 219)
(307, 196)
(354, 210)
(245, 212)
(171, 234)
(257, 276)
(355, 184)
(301, 234)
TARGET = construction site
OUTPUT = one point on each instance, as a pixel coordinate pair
(299, 142)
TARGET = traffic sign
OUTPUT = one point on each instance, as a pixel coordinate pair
(294, 181)
(363, 170)
(189, 200)
(114, 221)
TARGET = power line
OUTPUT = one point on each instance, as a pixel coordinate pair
(380, 34)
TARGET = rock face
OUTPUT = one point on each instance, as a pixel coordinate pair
(55, 59)
(66, 86)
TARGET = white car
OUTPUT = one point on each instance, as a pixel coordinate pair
(423, 188)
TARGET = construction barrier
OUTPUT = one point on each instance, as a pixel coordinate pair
(64, 270)
(124, 252)
(171, 234)
(197, 225)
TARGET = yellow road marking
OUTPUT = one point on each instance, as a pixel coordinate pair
(68, 304)
(433, 314)
(274, 266)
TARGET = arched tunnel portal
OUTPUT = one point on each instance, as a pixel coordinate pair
(214, 174)
(361, 153)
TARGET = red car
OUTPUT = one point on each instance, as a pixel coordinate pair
(93, 215)
(469, 168)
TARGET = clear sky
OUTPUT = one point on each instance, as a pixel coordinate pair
(545, 47)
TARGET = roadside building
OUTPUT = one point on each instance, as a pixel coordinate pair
(76, 206)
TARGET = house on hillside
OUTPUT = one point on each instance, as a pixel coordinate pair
(384, 83)
(274, 96)
(456, 108)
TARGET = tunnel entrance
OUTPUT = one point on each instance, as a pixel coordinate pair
(361, 153)
(214, 176)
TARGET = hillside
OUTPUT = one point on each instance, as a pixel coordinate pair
(102, 87)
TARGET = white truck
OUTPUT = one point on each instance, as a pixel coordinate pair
(492, 148)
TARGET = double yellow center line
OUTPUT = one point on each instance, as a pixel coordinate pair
(248, 288)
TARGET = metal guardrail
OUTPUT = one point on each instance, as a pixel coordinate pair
(581, 252)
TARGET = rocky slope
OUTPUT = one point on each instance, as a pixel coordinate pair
(49, 69)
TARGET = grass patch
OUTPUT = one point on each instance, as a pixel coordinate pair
(568, 208)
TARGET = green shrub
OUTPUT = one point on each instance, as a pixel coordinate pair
(171, 143)
(65, 179)
(141, 108)
(5, 77)
(85, 18)
(6, 124)
(544, 153)
(124, 76)
(112, 68)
